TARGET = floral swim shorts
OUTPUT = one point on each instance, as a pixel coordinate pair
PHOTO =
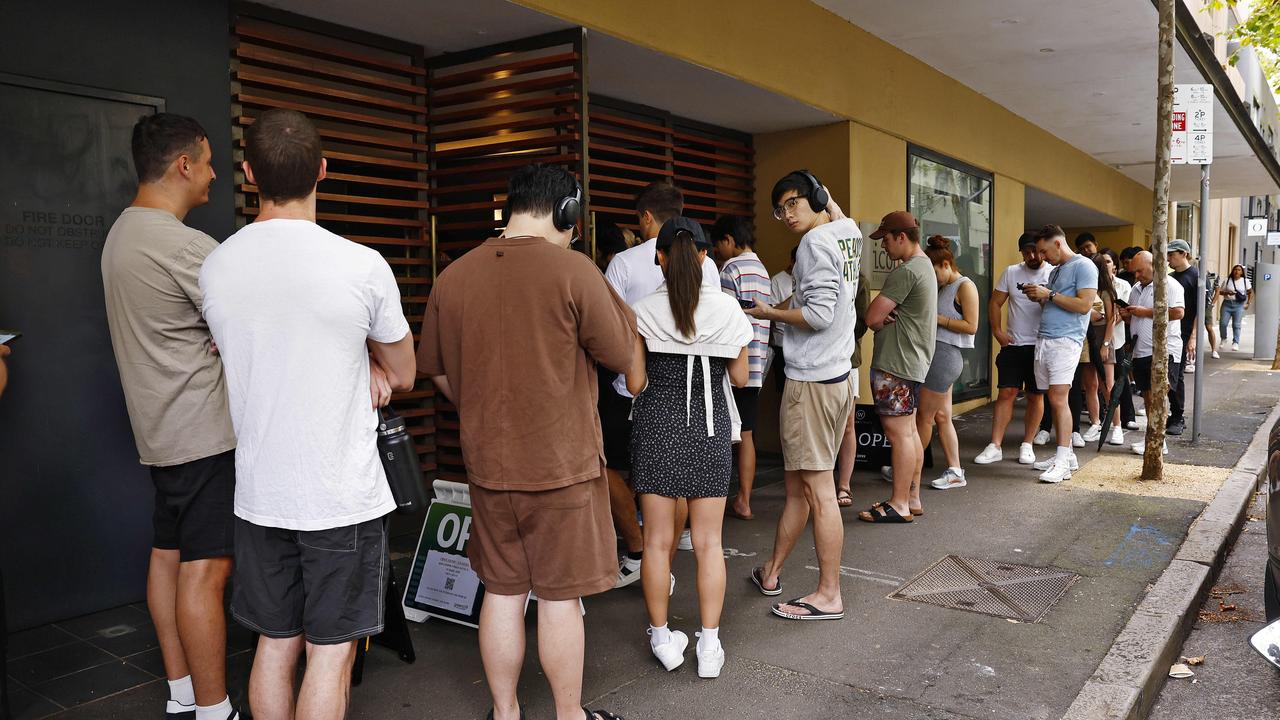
(894, 396)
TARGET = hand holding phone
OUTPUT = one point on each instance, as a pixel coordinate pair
(7, 337)
(747, 304)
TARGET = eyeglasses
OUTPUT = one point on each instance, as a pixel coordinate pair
(789, 205)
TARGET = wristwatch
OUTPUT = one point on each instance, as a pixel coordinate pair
(1052, 295)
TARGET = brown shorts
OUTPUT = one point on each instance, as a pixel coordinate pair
(558, 543)
(813, 421)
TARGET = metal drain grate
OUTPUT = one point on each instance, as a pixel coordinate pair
(1007, 590)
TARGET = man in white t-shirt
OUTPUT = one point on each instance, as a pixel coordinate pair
(1140, 315)
(1015, 364)
(635, 275)
(296, 311)
(781, 286)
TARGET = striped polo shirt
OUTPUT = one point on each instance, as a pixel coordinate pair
(745, 278)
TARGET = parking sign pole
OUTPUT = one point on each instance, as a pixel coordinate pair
(1203, 315)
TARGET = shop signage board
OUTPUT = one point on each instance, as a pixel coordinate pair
(442, 583)
(1257, 226)
(1273, 238)
(1191, 141)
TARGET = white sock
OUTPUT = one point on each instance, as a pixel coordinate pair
(181, 692)
(659, 635)
(957, 470)
(1064, 453)
(709, 638)
(221, 711)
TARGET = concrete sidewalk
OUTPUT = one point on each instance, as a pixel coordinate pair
(888, 658)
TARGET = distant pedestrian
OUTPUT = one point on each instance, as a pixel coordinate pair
(1016, 361)
(1237, 295)
(904, 317)
(693, 336)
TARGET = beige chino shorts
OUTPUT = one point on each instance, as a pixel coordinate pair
(813, 419)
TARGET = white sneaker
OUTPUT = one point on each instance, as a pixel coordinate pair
(1140, 448)
(671, 652)
(1041, 438)
(886, 473)
(1026, 454)
(1191, 368)
(1235, 347)
(1092, 434)
(1048, 464)
(710, 660)
(1131, 425)
(951, 478)
(1117, 436)
(990, 454)
(1060, 471)
(686, 541)
(1140, 412)
(1216, 356)
(1076, 440)
(628, 572)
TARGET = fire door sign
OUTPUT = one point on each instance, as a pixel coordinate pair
(1191, 139)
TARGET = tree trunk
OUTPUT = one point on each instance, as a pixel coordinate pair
(1153, 458)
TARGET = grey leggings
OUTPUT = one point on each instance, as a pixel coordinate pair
(946, 368)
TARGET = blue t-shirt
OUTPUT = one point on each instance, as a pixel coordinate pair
(1078, 273)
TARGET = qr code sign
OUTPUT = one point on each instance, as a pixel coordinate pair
(448, 583)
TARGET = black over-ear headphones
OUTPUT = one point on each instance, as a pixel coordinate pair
(569, 210)
(818, 196)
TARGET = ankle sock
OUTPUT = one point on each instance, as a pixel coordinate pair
(181, 691)
(221, 711)
(1064, 453)
(635, 555)
(659, 635)
(709, 638)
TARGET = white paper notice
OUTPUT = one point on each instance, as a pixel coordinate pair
(448, 583)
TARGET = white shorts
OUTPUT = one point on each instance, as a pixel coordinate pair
(1056, 361)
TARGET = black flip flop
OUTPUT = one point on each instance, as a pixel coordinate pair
(601, 714)
(887, 515)
(811, 612)
(758, 579)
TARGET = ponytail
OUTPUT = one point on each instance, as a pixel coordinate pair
(684, 283)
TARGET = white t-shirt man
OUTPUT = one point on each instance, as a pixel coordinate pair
(1145, 296)
(781, 286)
(1024, 313)
(290, 306)
(635, 275)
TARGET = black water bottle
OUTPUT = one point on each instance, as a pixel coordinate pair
(400, 461)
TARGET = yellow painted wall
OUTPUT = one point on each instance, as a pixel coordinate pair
(862, 78)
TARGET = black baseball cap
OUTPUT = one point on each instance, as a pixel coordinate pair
(1027, 238)
(672, 229)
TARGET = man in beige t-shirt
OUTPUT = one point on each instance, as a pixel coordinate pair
(176, 396)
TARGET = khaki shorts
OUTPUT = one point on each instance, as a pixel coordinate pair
(558, 543)
(813, 421)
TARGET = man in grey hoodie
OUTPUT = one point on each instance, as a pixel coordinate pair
(820, 389)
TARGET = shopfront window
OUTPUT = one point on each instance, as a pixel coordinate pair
(1184, 226)
(954, 200)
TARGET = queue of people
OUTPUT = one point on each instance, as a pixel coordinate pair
(608, 421)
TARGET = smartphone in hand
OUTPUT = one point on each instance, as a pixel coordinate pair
(747, 304)
(7, 337)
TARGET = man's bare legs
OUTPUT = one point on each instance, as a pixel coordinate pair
(1035, 413)
(908, 459)
(502, 649)
(326, 684)
(845, 459)
(818, 490)
(746, 474)
(622, 505)
(185, 602)
(1003, 414)
(561, 646)
(162, 602)
(202, 625)
(795, 515)
(1061, 413)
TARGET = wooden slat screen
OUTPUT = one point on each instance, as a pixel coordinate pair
(493, 110)
(632, 145)
(368, 101)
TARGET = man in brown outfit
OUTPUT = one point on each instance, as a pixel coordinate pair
(512, 335)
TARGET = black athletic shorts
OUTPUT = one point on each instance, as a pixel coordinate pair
(615, 423)
(194, 512)
(328, 585)
(1016, 368)
(747, 400)
(1142, 372)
